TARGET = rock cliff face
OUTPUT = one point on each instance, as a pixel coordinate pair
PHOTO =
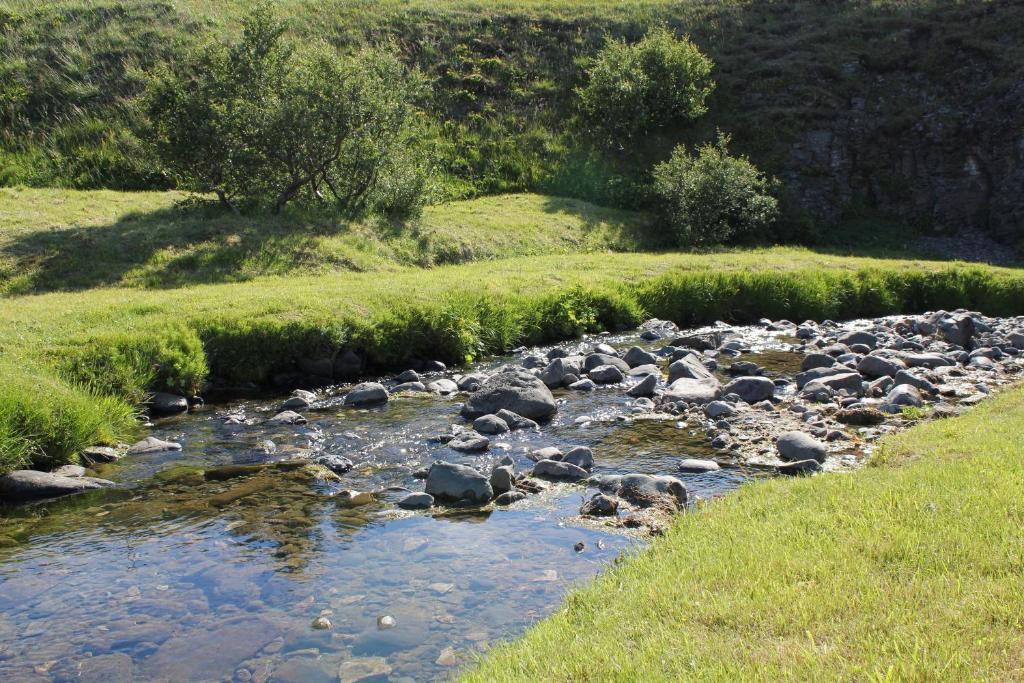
(951, 165)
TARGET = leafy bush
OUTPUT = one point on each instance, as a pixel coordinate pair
(267, 121)
(659, 81)
(713, 197)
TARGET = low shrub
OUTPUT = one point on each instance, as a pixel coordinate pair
(714, 198)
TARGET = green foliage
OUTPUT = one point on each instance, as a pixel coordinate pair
(659, 81)
(714, 198)
(267, 121)
(131, 366)
(45, 422)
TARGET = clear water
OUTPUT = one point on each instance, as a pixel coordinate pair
(177, 578)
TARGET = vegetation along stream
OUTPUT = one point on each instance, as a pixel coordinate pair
(272, 545)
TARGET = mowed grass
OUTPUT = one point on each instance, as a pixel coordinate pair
(912, 570)
(66, 240)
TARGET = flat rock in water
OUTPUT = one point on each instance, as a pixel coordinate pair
(364, 670)
(514, 389)
(416, 501)
(697, 466)
(693, 390)
(151, 444)
(167, 404)
(24, 485)
(193, 654)
(643, 489)
(287, 417)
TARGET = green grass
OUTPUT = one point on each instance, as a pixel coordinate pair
(908, 570)
(67, 240)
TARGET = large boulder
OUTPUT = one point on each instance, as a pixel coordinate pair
(448, 481)
(514, 389)
(794, 446)
(25, 485)
(751, 389)
(956, 329)
(366, 394)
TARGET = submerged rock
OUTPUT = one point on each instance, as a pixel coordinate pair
(151, 444)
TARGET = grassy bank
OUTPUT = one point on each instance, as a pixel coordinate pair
(54, 239)
(910, 570)
(124, 342)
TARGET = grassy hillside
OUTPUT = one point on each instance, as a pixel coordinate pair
(504, 75)
(911, 570)
(69, 240)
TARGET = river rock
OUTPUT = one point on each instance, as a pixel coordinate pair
(904, 395)
(364, 670)
(510, 497)
(100, 454)
(635, 357)
(69, 471)
(859, 337)
(584, 385)
(793, 446)
(490, 424)
(699, 341)
(904, 377)
(409, 386)
(555, 374)
(408, 376)
(24, 485)
(600, 505)
(693, 390)
(468, 442)
(643, 489)
(581, 456)
(366, 394)
(798, 467)
(926, 360)
(546, 453)
(502, 479)
(167, 404)
(471, 382)
(861, 416)
(852, 382)
(448, 481)
(444, 387)
(596, 360)
(751, 389)
(878, 366)
(689, 367)
(806, 376)
(151, 444)
(334, 462)
(956, 329)
(416, 501)
(717, 409)
(556, 469)
(515, 421)
(813, 361)
(513, 389)
(697, 466)
(606, 374)
(287, 417)
(644, 388)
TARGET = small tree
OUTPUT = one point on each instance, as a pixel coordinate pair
(267, 122)
(659, 81)
(713, 197)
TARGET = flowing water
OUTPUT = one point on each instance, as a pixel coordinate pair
(176, 577)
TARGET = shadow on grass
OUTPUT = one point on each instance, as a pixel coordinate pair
(189, 243)
(628, 230)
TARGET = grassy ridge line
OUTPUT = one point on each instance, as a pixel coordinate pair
(61, 240)
(909, 571)
(124, 343)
